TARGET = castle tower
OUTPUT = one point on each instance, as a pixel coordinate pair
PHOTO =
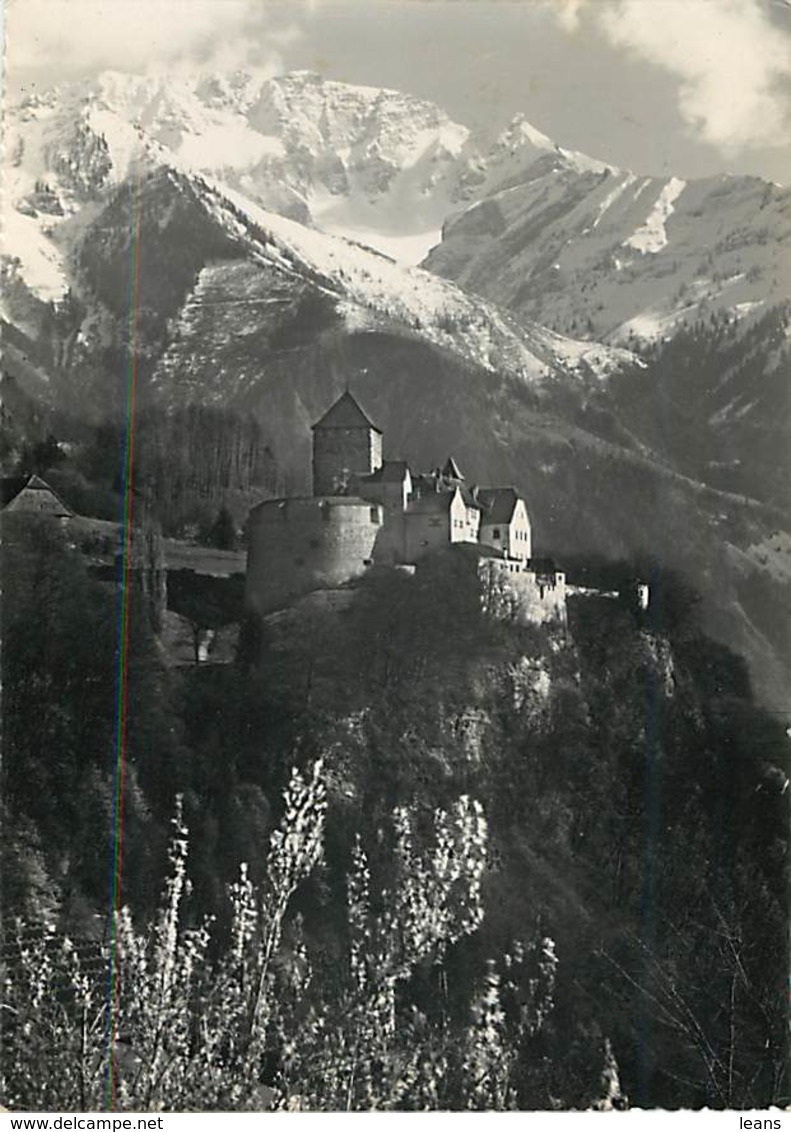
(345, 443)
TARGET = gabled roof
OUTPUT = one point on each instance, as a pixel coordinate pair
(31, 493)
(451, 470)
(346, 413)
(498, 504)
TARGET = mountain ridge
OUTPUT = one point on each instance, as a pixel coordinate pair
(550, 233)
(294, 143)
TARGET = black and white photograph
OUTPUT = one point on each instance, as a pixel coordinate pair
(395, 507)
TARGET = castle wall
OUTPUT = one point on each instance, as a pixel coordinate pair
(391, 544)
(425, 532)
(300, 545)
(542, 598)
(511, 593)
(340, 452)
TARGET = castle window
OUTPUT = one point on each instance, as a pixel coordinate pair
(368, 561)
(496, 532)
(375, 515)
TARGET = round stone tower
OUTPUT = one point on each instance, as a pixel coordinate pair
(297, 546)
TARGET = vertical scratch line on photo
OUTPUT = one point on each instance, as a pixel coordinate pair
(122, 648)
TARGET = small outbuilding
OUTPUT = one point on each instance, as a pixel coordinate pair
(30, 495)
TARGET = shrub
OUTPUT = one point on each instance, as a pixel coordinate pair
(253, 1024)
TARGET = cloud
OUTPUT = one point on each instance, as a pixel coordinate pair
(71, 37)
(732, 60)
(568, 12)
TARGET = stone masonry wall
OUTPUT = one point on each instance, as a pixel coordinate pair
(300, 545)
(340, 452)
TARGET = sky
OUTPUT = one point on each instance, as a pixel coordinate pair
(690, 87)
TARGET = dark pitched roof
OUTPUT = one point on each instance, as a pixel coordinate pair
(345, 413)
(391, 471)
(432, 503)
(31, 493)
(433, 497)
(394, 471)
(497, 503)
(469, 498)
(484, 551)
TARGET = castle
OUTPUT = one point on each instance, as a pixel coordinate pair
(366, 511)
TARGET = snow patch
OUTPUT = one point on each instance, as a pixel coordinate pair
(745, 308)
(123, 141)
(409, 249)
(651, 237)
(40, 261)
(229, 144)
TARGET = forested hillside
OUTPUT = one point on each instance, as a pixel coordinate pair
(615, 803)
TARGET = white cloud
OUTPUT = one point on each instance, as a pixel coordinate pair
(732, 60)
(69, 37)
(568, 12)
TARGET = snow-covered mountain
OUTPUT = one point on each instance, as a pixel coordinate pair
(376, 165)
(548, 233)
(614, 256)
(196, 239)
(372, 292)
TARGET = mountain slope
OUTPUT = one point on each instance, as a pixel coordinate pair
(553, 235)
(376, 164)
(193, 237)
(613, 256)
(715, 400)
